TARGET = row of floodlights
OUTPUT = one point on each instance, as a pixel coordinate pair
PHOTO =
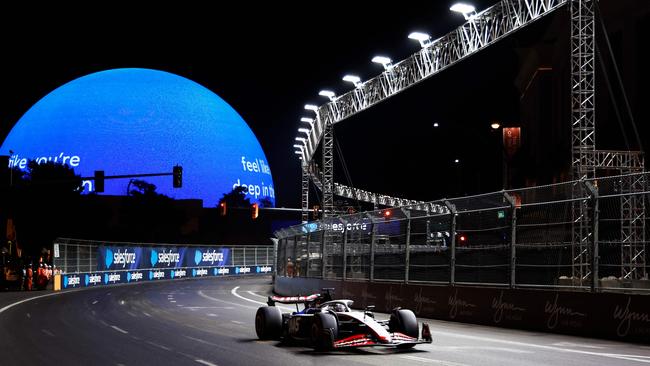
(468, 12)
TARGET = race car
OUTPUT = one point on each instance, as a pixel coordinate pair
(331, 324)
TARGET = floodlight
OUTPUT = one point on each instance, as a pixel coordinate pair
(353, 79)
(423, 38)
(328, 93)
(464, 9)
(386, 62)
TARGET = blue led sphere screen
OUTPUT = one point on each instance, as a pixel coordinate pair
(139, 121)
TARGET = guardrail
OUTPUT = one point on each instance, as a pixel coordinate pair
(82, 263)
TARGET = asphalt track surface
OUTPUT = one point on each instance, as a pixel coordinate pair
(211, 322)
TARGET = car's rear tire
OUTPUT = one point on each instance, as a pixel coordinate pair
(405, 322)
(268, 323)
(324, 331)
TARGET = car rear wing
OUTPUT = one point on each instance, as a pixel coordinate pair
(292, 299)
(326, 295)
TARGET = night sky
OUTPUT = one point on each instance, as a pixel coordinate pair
(268, 60)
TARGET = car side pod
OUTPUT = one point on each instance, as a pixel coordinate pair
(426, 333)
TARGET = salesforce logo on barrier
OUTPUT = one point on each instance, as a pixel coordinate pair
(133, 276)
(112, 278)
(92, 280)
(118, 258)
(221, 271)
(209, 257)
(158, 119)
(163, 257)
(263, 269)
(242, 270)
(156, 275)
(72, 281)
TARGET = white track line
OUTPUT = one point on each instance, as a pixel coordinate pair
(638, 358)
(119, 329)
(159, 346)
(234, 293)
(47, 332)
(254, 294)
(205, 362)
(26, 300)
(224, 301)
(431, 360)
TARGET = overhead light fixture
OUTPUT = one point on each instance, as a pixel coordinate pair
(353, 79)
(423, 38)
(495, 125)
(435, 124)
(306, 119)
(386, 62)
(311, 107)
(328, 93)
(301, 139)
(304, 130)
(467, 10)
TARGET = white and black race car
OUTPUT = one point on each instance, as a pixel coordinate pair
(331, 324)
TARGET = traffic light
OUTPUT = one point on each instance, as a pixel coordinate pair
(222, 209)
(462, 239)
(178, 176)
(99, 181)
(255, 210)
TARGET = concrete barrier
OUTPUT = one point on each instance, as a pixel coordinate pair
(603, 315)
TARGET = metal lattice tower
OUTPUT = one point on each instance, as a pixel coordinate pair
(583, 127)
(633, 264)
(482, 30)
(328, 170)
(304, 215)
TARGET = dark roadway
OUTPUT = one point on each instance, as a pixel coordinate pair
(210, 322)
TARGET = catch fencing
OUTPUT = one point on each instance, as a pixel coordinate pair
(587, 234)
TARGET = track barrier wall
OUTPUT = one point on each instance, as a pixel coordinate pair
(81, 263)
(604, 315)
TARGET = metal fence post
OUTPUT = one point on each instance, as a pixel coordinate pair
(452, 235)
(296, 267)
(372, 250)
(322, 253)
(407, 250)
(308, 254)
(344, 252)
(513, 238)
(594, 250)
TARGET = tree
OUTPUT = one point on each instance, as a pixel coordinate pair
(150, 216)
(236, 198)
(44, 202)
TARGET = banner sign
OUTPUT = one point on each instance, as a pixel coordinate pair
(131, 258)
(119, 258)
(79, 280)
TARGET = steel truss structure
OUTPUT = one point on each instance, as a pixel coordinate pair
(487, 27)
(583, 127)
(632, 188)
(480, 31)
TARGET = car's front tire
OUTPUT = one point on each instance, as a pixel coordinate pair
(405, 322)
(268, 323)
(324, 331)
